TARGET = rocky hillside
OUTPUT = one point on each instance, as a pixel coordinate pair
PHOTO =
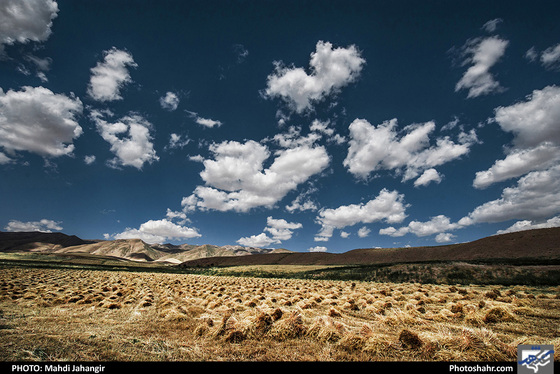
(129, 249)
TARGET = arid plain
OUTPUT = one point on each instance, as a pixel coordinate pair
(73, 312)
(91, 315)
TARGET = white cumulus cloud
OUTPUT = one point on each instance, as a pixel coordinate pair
(535, 124)
(170, 101)
(130, 139)
(303, 202)
(550, 57)
(436, 225)
(330, 70)
(535, 197)
(261, 241)
(364, 232)
(492, 25)
(427, 177)
(158, 231)
(236, 178)
(482, 54)
(5, 159)
(205, 122)
(518, 162)
(531, 225)
(44, 225)
(318, 248)
(279, 229)
(25, 21)
(177, 141)
(444, 237)
(90, 159)
(109, 76)
(37, 120)
(535, 120)
(382, 147)
(388, 206)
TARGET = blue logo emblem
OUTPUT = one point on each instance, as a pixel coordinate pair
(535, 359)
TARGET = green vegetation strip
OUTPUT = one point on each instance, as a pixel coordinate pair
(488, 272)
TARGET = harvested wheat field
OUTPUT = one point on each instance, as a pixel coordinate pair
(91, 315)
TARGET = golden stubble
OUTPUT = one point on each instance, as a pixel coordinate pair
(90, 315)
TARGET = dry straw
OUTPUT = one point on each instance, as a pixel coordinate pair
(151, 316)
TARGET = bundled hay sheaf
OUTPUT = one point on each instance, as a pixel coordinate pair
(498, 314)
(288, 327)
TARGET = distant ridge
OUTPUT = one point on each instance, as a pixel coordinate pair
(37, 241)
(128, 249)
(539, 244)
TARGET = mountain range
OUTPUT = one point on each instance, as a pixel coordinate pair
(523, 246)
(127, 249)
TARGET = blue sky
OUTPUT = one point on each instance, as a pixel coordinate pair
(312, 126)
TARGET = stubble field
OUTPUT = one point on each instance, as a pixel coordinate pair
(94, 315)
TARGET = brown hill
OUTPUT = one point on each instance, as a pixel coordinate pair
(37, 241)
(541, 244)
(195, 252)
(129, 249)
